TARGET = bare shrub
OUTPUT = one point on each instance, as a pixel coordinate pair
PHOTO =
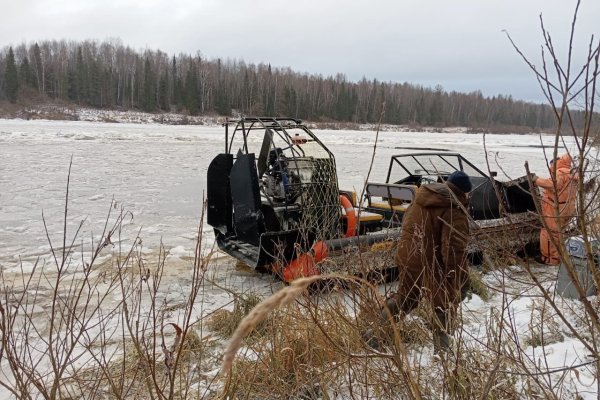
(78, 326)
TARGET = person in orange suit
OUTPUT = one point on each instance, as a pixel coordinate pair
(558, 205)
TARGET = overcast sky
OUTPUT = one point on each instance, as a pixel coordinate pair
(458, 44)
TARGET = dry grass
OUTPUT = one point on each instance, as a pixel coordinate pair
(477, 286)
(126, 371)
(312, 348)
(295, 358)
(224, 322)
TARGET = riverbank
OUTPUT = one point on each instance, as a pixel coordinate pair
(55, 112)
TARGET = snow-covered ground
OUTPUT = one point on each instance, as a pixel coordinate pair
(57, 112)
(158, 173)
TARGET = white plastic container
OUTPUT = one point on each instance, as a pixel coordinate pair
(575, 246)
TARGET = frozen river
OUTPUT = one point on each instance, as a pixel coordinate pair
(158, 172)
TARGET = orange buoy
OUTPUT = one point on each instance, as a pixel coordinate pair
(304, 264)
(350, 216)
(320, 250)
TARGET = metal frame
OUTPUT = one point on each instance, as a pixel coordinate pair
(279, 125)
(442, 156)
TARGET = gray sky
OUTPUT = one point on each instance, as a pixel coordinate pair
(456, 43)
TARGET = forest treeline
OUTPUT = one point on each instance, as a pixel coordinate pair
(110, 75)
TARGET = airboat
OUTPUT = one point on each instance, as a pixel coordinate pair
(274, 202)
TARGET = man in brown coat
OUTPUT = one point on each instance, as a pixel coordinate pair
(431, 255)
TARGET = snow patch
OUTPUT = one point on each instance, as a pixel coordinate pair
(178, 252)
(53, 112)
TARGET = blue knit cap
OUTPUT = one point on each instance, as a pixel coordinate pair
(460, 180)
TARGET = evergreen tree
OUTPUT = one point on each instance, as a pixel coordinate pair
(149, 90)
(38, 68)
(11, 77)
(175, 95)
(291, 101)
(26, 77)
(72, 85)
(163, 93)
(269, 100)
(436, 111)
(371, 115)
(179, 92)
(51, 84)
(81, 80)
(95, 84)
(191, 89)
(222, 101)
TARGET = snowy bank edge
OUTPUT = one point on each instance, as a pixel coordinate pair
(65, 113)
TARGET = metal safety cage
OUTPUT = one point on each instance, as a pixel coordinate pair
(489, 198)
(274, 190)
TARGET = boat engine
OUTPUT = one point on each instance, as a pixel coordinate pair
(280, 183)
